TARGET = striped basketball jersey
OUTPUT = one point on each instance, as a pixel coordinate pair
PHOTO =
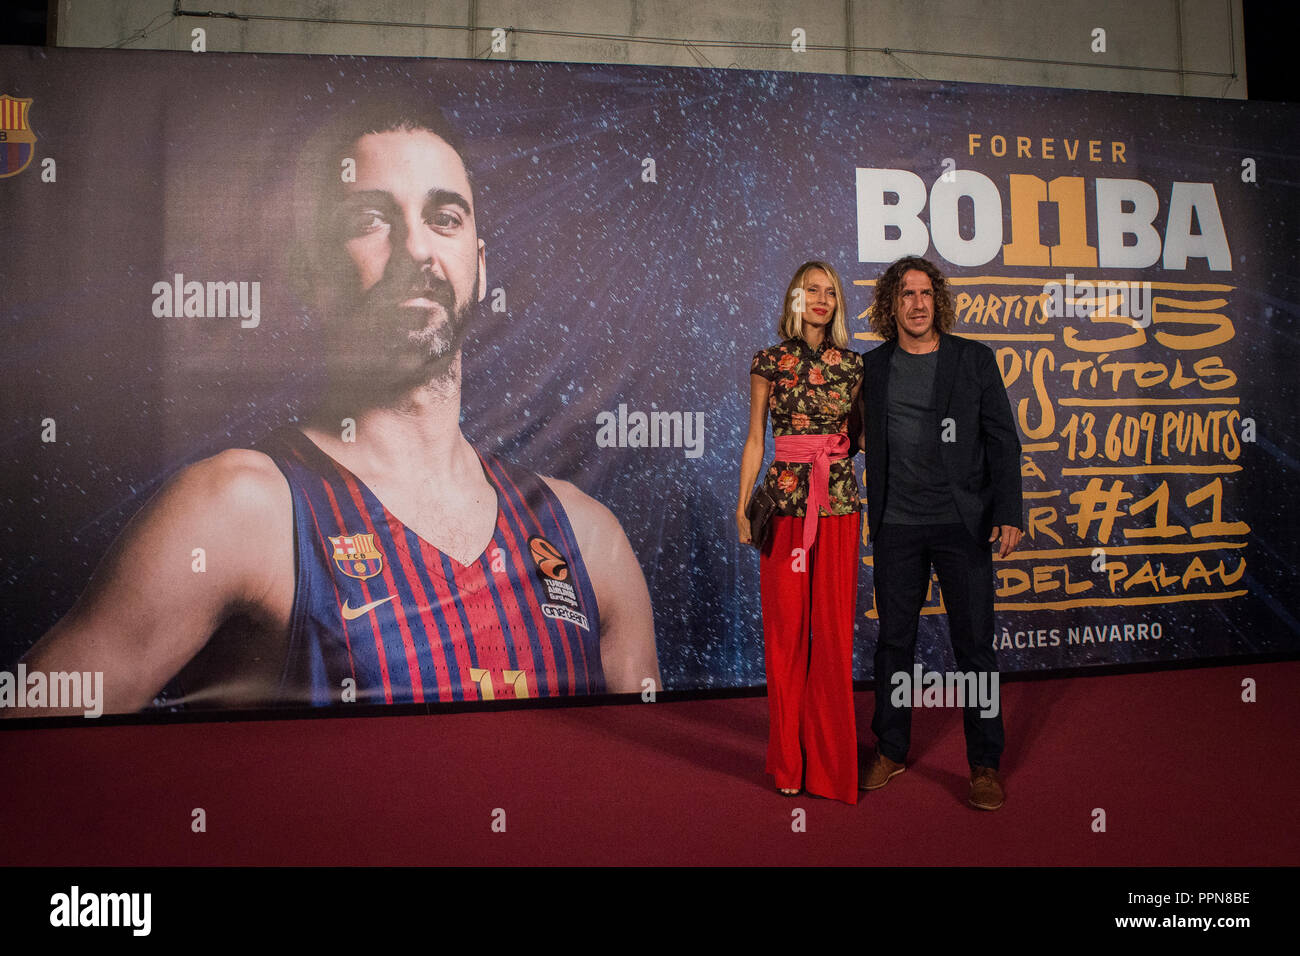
(376, 603)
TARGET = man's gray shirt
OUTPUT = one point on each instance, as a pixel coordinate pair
(917, 489)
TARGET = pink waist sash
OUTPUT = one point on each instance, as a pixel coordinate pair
(820, 450)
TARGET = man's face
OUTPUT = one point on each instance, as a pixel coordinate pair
(914, 308)
(407, 228)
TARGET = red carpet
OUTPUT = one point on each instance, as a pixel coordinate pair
(1187, 774)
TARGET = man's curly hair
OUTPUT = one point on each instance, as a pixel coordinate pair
(884, 320)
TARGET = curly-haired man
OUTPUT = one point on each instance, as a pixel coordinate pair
(943, 482)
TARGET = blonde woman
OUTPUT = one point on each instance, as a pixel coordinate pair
(808, 385)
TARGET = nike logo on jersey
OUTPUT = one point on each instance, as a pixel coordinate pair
(352, 613)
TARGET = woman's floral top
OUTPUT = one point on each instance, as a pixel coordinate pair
(812, 391)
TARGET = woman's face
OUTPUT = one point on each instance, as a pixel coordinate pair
(819, 299)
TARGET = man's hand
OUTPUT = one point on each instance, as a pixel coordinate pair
(1010, 536)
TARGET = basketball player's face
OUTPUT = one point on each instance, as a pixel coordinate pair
(407, 227)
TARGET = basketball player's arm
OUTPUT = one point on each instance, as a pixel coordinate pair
(751, 458)
(627, 628)
(153, 602)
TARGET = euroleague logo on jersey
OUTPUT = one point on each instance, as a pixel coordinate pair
(561, 596)
(548, 558)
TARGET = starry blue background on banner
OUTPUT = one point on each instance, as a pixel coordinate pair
(617, 290)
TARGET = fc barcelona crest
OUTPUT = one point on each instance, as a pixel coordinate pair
(357, 555)
(17, 141)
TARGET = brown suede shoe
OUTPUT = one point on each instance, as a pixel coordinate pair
(880, 772)
(986, 791)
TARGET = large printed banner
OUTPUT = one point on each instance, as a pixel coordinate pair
(198, 256)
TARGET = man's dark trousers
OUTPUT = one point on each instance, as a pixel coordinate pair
(903, 556)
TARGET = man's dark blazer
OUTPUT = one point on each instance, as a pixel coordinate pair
(982, 461)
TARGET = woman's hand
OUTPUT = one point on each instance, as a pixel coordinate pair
(743, 524)
(751, 459)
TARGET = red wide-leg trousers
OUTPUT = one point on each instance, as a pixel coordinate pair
(808, 606)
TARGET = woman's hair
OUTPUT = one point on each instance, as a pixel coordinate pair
(883, 311)
(791, 324)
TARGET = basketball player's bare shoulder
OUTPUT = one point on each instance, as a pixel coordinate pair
(238, 478)
(585, 512)
(248, 506)
(627, 640)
